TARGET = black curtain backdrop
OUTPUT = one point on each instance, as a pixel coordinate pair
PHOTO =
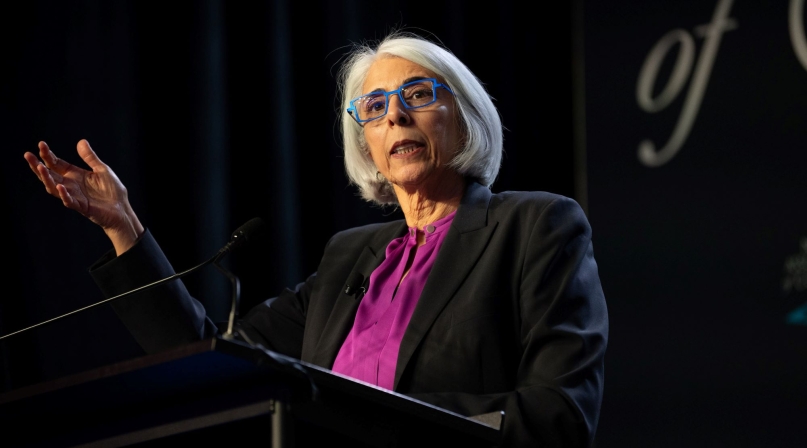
(213, 113)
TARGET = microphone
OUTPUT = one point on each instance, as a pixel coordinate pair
(253, 231)
(357, 285)
(250, 232)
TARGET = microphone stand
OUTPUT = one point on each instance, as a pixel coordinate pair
(236, 297)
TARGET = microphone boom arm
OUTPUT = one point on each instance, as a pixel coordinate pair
(127, 293)
(252, 230)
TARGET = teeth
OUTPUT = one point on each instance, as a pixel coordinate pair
(405, 149)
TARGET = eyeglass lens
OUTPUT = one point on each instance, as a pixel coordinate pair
(414, 94)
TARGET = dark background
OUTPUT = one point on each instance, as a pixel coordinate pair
(216, 112)
(693, 253)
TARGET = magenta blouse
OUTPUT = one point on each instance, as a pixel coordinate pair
(370, 351)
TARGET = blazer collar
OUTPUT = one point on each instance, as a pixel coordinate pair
(473, 211)
(466, 240)
(344, 309)
(464, 243)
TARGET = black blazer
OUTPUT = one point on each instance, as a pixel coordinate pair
(512, 316)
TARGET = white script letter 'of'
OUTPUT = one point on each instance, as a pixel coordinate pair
(711, 34)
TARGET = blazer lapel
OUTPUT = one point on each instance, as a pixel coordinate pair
(466, 240)
(344, 310)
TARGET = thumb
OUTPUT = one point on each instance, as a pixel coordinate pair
(89, 156)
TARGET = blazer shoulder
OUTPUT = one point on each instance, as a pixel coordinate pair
(534, 202)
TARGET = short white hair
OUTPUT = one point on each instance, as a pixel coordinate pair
(481, 155)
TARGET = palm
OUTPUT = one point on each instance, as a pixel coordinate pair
(98, 194)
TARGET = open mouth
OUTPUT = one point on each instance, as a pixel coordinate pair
(405, 147)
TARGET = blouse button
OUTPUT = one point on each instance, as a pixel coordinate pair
(430, 228)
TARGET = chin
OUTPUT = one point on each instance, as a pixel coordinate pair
(412, 176)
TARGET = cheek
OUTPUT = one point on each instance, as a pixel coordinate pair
(447, 134)
(445, 125)
(367, 142)
(372, 140)
(375, 150)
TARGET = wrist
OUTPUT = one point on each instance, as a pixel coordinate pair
(125, 236)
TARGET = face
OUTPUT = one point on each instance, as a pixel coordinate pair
(411, 147)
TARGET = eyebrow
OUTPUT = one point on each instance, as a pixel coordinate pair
(406, 81)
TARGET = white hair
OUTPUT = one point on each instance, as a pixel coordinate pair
(481, 155)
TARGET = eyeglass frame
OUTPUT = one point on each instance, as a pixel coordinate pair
(353, 112)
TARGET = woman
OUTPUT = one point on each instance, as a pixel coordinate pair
(476, 302)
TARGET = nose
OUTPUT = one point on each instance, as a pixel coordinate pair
(397, 113)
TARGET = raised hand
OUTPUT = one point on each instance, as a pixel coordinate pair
(97, 194)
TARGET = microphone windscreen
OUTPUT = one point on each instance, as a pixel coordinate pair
(252, 232)
(354, 283)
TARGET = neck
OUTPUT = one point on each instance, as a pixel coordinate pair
(426, 204)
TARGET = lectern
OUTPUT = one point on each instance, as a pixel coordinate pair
(218, 391)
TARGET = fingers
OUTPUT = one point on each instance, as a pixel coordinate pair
(89, 156)
(45, 171)
(45, 175)
(33, 163)
(55, 188)
(67, 200)
(48, 173)
(50, 159)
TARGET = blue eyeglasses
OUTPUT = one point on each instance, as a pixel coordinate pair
(413, 95)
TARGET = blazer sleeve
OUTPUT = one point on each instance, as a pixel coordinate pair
(168, 316)
(563, 335)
